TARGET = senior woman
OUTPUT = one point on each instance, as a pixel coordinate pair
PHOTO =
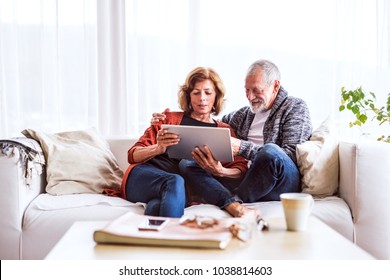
(154, 178)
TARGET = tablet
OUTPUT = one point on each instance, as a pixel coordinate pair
(216, 138)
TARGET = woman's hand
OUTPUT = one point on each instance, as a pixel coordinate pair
(166, 139)
(204, 158)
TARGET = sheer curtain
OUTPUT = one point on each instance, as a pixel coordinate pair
(71, 64)
(48, 60)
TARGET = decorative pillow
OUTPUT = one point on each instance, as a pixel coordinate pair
(77, 162)
(318, 162)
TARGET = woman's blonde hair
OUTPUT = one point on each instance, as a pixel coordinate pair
(197, 75)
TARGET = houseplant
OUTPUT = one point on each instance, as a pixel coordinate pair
(364, 108)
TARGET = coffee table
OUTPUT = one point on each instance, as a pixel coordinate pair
(318, 242)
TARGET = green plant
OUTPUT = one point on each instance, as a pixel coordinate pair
(363, 105)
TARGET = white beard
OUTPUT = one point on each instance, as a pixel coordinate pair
(256, 109)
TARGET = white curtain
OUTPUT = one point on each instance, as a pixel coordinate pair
(48, 60)
(72, 64)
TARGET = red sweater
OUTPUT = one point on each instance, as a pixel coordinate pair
(149, 138)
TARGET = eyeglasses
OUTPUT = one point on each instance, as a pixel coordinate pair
(238, 229)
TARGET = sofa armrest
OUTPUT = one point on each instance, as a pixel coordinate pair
(365, 186)
(21, 180)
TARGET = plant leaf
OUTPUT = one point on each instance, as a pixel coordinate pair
(362, 118)
(355, 109)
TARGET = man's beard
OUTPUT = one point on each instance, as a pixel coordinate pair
(260, 108)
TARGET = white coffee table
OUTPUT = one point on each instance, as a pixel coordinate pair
(318, 242)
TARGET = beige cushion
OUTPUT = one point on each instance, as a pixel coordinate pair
(318, 162)
(77, 162)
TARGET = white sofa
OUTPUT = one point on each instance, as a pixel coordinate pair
(32, 221)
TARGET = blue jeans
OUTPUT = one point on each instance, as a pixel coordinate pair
(209, 189)
(163, 192)
(271, 173)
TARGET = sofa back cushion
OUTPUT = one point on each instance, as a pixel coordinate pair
(77, 162)
(318, 162)
(119, 147)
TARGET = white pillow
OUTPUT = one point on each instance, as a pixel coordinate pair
(318, 162)
(77, 162)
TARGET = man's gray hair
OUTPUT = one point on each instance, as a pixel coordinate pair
(270, 70)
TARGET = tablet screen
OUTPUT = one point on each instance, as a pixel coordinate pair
(216, 138)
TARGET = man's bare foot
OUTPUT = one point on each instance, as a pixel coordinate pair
(238, 210)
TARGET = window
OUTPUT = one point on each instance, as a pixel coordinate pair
(110, 64)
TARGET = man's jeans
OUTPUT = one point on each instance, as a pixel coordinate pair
(163, 192)
(271, 173)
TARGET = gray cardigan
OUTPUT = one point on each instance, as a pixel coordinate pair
(287, 125)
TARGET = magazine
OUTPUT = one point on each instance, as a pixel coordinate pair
(127, 230)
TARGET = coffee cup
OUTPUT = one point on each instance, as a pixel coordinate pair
(297, 208)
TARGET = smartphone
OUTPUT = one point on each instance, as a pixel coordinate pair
(153, 224)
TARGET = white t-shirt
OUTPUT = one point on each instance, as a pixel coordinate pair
(255, 134)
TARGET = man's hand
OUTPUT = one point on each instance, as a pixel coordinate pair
(236, 143)
(157, 117)
(204, 158)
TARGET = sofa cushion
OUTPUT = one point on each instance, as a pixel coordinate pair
(46, 210)
(48, 202)
(77, 162)
(318, 162)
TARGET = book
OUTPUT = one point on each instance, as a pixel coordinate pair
(125, 230)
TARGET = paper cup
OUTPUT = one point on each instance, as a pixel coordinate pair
(297, 208)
